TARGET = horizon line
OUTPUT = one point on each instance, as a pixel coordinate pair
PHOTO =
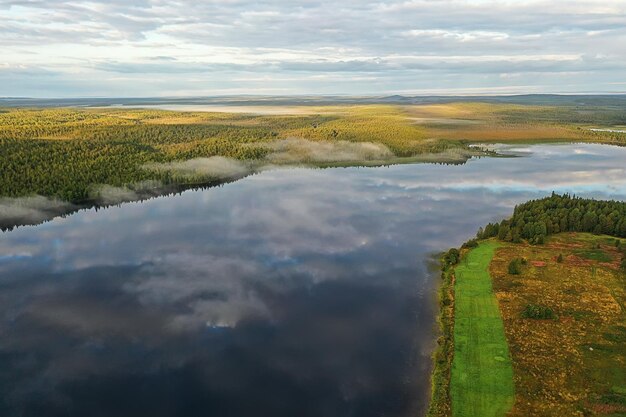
(314, 95)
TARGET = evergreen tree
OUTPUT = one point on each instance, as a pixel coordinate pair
(515, 267)
(537, 219)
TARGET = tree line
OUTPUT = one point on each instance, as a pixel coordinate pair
(534, 220)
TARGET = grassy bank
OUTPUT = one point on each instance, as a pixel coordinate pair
(440, 382)
(481, 378)
(472, 373)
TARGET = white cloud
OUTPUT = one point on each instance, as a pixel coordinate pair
(404, 45)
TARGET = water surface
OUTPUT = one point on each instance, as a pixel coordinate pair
(293, 292)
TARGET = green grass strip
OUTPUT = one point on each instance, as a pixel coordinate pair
(482, 375)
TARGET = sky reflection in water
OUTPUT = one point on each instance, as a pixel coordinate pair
(290, 293)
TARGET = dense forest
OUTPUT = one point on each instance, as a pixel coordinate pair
(65, 152)
(536, 219)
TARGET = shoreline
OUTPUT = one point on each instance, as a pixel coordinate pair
(439, 405)
(42, 209)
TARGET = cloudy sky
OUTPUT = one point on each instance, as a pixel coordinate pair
(56, 48)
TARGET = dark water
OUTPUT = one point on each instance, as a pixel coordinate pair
(289, 293)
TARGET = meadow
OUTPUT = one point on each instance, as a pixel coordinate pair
(569, 357)
(66, 153)
(489, 122)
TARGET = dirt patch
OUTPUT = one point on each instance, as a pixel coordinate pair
(578, 261)
(610, 409)
(562, 245)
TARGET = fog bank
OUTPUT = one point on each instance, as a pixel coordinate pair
(295, 150)
(214, 167)
(30, 210)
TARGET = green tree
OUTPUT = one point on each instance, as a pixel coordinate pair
(515, 266)
(452, 257)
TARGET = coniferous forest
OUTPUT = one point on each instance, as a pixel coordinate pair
(536, 219)
(65, 152)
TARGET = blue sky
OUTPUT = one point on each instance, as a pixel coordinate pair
(55, 48)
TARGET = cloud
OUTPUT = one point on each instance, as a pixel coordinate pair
(405, 45)
(30, 210)
(114, 195)
(108, 195)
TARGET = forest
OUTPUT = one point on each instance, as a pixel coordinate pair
(537, 219)
(66, 152)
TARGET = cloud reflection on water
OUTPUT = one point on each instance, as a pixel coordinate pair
(292, 292)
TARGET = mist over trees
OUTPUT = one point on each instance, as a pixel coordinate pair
(64, 152)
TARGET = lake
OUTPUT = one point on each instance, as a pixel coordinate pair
(293, 292)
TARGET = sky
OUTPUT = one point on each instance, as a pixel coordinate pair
(126, 48)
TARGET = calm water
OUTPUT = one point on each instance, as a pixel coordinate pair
(290, 293)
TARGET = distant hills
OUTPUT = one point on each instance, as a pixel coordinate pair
(304, 100)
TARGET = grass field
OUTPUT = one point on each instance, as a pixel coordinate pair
(573, 364)
(488, 122)
(481, 383)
